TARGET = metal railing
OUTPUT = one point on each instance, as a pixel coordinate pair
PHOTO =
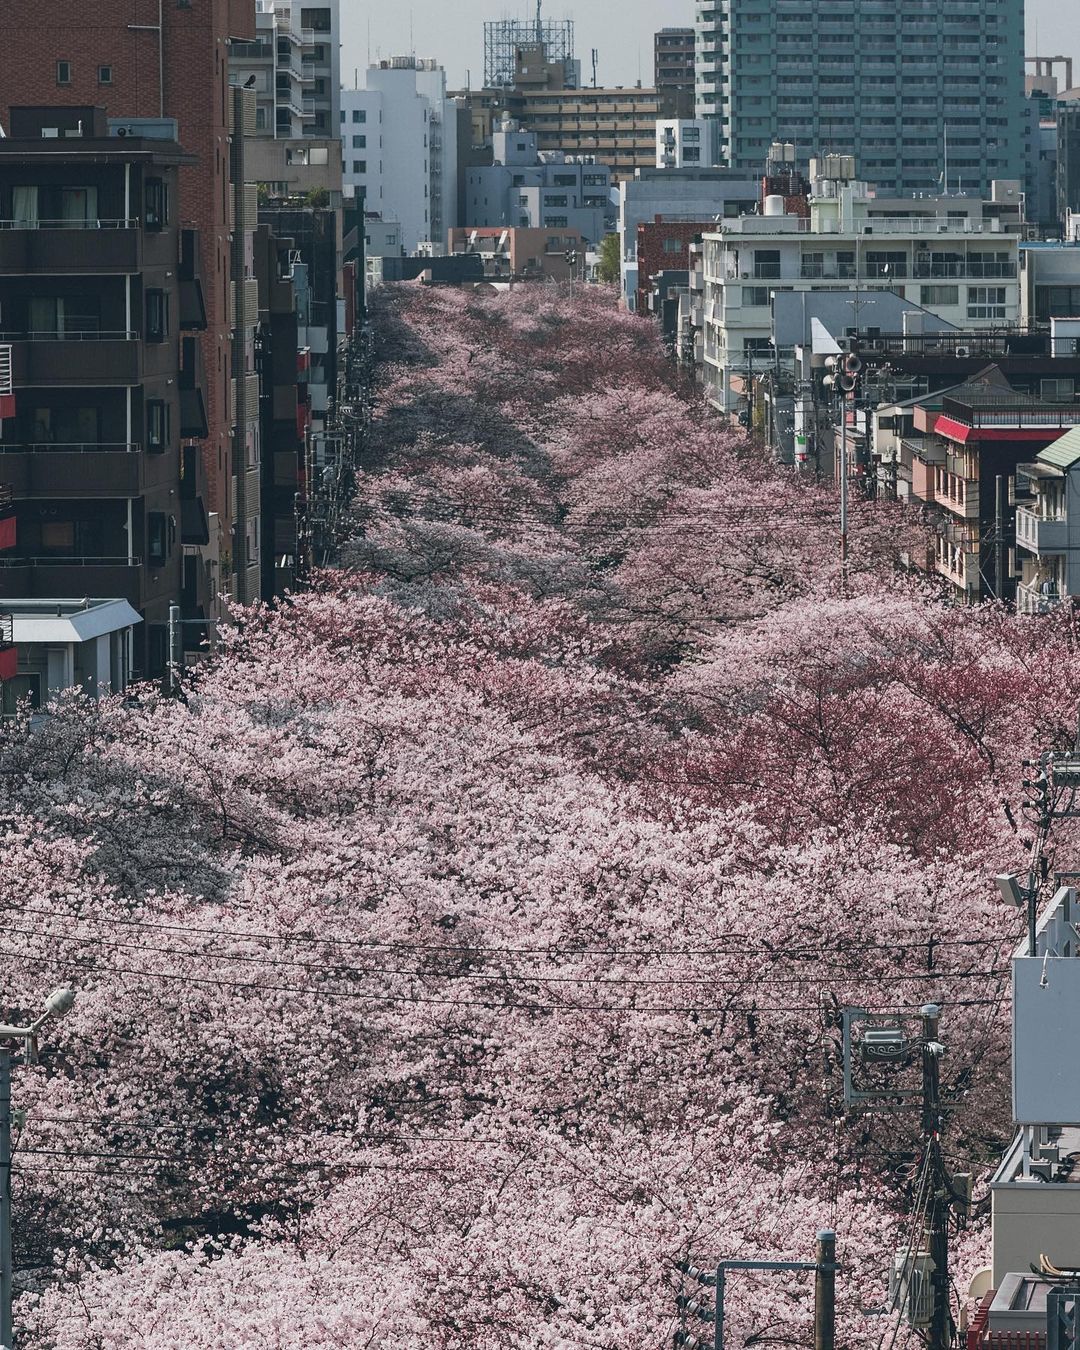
(97, 223)
(71, 448)
(69, 560)
(73, 335)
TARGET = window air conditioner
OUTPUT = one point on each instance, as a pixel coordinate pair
(962, 351)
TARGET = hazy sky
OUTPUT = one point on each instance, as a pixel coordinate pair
(452, 32)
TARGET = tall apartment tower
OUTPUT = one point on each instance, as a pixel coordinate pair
(893, 82)
(148, 60)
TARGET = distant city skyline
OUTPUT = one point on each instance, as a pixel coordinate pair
(456, 38)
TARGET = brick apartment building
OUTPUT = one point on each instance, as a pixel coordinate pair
(102, 306)
(661, 247)
(146, 59)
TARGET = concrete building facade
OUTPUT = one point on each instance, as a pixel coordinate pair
(294, 66)
(686, 143)
(878, 79)
(399, 146)
(695, 195)
(528, 189)
(955, 257)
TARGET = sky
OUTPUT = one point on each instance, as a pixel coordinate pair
(621, 30)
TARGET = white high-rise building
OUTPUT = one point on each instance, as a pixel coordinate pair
(399, 144)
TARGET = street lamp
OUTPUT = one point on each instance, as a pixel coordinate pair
(56, 1005)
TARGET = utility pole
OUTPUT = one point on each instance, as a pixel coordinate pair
(940, 1331)
(825, 1291)
(999, 537)
(5, 1200)
(56, 1005)
(843, 493)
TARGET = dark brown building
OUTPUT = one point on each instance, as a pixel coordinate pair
(102, 303)
(151, 60)
(673, 61)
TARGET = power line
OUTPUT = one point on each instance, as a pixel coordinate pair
(525, 977)
(799, 951)
(753, 1009)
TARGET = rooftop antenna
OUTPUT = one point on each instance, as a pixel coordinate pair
(539, 23)
(595, 54)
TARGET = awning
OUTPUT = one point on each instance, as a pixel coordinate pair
(194, 528)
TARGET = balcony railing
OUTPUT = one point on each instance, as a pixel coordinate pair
(71, 448)
(1037, 597)
(827, 271)
(98, 223)
(69, 560)
(73, 335)
(1010, 412)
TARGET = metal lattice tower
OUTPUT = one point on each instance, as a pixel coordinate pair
(504, 37)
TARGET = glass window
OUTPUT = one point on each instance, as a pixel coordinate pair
(157, 425)
(104, 74)
(157, 204)
(157, 315)
(63, 72)
(157, 545)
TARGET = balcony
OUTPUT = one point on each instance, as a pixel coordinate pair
(70, 470)
(99, 358)
(1035, 597)
(809, 271)
(1040, 533)
(73, 248)
(51, 575)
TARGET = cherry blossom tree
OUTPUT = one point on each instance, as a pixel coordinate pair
(465, 948)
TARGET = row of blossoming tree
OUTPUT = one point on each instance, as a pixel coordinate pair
(464, 949)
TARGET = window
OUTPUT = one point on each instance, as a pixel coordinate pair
(1057, 391)
(986, 302)
(555, 199)
(673, 245)
(319, 19)
(157, 425)
(21, 687)
(157, 315)
(157, 538)
(63, 72)
(358, 115)
(156, 200)
(565, 180)
(767, 264)
(359, 142)
(755, 297)
(940, 295)
(359, 166)
(691, 156)
(557, 222)
(104, 74)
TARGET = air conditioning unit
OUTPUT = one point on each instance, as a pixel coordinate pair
(961, 351)
(911, 1289)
